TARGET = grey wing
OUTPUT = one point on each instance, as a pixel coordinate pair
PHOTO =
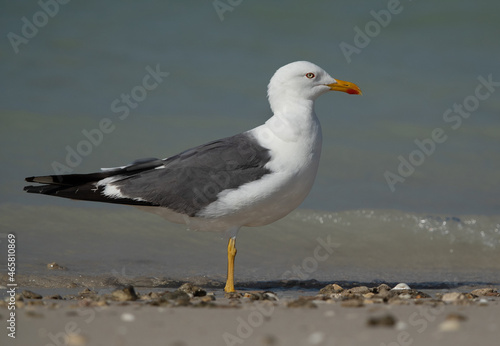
(191, 180)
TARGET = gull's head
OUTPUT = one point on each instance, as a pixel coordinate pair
(303, 80)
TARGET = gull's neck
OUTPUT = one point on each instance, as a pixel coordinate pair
(294, 119)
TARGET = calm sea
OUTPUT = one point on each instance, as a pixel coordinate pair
(409, 183)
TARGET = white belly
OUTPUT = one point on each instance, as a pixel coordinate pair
(293, 167)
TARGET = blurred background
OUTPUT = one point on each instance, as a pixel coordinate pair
(427, 58)
(64, 66)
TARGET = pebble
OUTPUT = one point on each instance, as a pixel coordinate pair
(267, 295)
(331, 289)
(55, 266)
(401, 286)
(481, 292)
(127, 317)
(452, 297)
(452, 322)
(190, 295)
(456, 316)
(192, 291)
(54, 296)
(125, 294)
(483, 302)
(86, 293)
(386, 320)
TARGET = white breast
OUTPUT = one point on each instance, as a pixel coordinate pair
(295, 153)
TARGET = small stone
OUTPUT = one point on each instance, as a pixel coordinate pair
(30, 295)
(208, 298)
(384, 320)
(383, 287)
(331, 289)
(483, 302)
(268, 295)
(452, 297)
(150, 296)
(86, 293)
(359, 290)
(125, 294)
(449, 326)
(489, 292)
(53, 296)
(55, 266)
(456, 316)
(401, 286)
(233, 295)
(191, 290)
(253, 295)
(175, 295)
(127, 317)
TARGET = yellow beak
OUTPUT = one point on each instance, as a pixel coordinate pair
(346, 87)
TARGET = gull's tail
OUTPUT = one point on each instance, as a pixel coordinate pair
(89, 186)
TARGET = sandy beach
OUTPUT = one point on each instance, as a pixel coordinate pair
(192, 315)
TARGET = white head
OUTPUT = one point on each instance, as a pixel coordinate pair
(303, 81)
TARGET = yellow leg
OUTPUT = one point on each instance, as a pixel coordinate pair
(231, 254)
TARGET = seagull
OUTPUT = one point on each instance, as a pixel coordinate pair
(247, 180)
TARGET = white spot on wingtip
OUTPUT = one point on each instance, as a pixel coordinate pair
(112, 191)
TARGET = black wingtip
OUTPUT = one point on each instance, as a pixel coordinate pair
(30, 179)
(32, 189)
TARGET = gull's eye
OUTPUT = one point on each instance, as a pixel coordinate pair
(310, 75)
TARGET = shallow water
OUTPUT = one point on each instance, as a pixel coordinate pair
(356, 246)
(440, 224)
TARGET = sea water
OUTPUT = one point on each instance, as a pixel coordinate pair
(408, 187)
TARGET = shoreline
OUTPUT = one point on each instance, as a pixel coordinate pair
(193, 315)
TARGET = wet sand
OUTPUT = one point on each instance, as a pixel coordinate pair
(191, 315)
